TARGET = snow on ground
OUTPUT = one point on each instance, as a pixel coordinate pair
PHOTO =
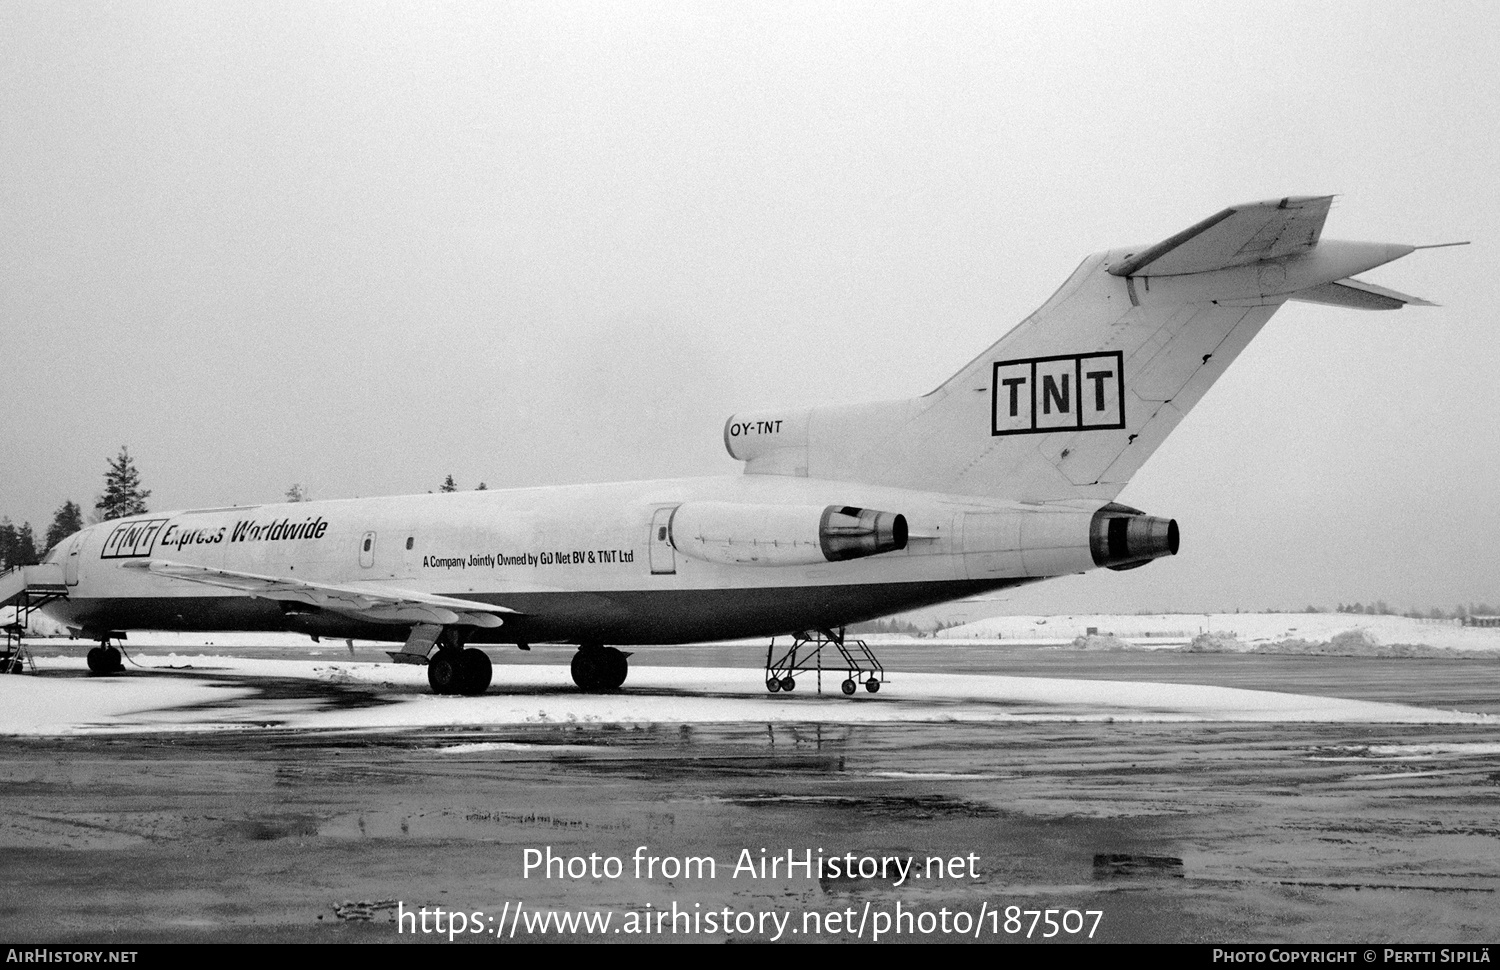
(1175, 629)
(203, 693)
(191, 641)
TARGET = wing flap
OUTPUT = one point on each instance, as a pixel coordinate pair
(1238, 236)
(368, 602)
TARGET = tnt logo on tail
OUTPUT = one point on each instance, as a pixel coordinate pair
(1071, 392)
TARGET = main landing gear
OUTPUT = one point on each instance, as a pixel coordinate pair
(454, 671)
(453, 668)
(598, 669)
(806, 654)
(105, 659)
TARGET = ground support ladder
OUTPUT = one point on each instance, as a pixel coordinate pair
(27, 588)
(806, 653)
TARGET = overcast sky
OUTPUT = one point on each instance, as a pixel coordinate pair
(361, 247)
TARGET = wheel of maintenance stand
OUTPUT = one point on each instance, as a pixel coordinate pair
(872, 685)
(772, 684)
(788, 684)
(848, 686)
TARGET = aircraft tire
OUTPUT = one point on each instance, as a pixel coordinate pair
(585, 669)
(475, 671)
(614, 670)
(105, 660)
(443, 674)
(596, 670)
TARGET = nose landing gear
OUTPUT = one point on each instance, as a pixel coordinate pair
(105, 659)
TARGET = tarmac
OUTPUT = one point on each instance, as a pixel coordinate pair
(1027, 793)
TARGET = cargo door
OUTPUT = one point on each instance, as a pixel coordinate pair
(70, 568)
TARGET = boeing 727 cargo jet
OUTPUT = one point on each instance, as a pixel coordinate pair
(1006, 474)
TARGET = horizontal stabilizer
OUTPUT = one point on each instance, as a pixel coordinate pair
(1358, 295)
(1238, 236)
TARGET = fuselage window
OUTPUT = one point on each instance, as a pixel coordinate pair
(409, 541)
(367, 544)
(661, 534)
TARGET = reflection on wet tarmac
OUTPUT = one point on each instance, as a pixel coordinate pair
(1208, 830)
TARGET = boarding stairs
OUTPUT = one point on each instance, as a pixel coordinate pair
(27, 588)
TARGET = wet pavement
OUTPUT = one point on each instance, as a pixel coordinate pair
(1193, 831)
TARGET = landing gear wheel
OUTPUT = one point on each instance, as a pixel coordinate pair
(872, 685)
(599, 669)
(443, 675)
(788, 684)
(105, 660)
(773, 685)
(616, 668)
(847, 687)
(475, 672)
(584, 670)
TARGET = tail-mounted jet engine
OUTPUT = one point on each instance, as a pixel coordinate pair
(1121, 537)
(739, 534)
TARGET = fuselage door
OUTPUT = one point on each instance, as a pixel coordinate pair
(367, 550)
(663, 556)
(70, 568)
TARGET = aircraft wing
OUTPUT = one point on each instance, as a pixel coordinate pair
(1238, 236)
(370, 602)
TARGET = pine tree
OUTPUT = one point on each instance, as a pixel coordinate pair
(449, 485)
(296, 493)
(25, 554)
(17, 546)
(66, 521)
(123, 494)
(8, 537)
(482, 487)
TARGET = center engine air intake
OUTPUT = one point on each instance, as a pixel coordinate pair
(739, 534)
(1121, 537)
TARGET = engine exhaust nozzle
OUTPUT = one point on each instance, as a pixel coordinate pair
(1123, 538)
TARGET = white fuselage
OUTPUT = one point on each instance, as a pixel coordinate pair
(585, 563)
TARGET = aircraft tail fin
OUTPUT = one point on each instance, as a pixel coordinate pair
(1071, 402)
